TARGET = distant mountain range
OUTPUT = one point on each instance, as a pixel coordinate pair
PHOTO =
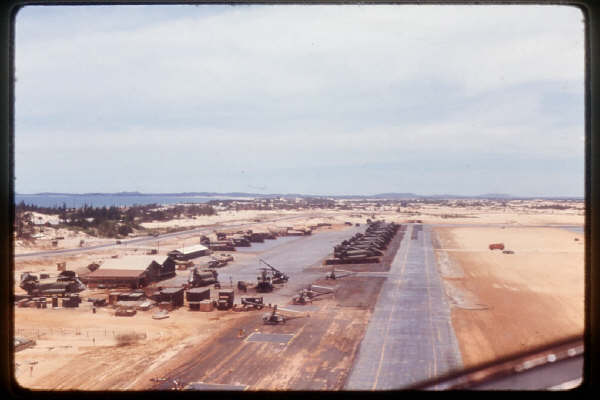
(380, 196)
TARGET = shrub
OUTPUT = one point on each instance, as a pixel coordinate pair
(129, 338)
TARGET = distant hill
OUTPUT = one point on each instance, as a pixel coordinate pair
(495, 196)
(381, 196)
(396, 196)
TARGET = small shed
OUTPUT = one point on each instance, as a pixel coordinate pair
(131, 300)
(206, 305)
(129, 304)
(187, 253)
(197, 294)
(131, 296)
(173, 296)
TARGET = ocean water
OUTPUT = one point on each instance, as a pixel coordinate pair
(578, 229)
(104, 200)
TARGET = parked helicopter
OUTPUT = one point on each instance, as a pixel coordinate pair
(276, 318)
(67, 282)
(333, 275)
(306, 296)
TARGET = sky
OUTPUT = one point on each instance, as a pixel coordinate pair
(321, 100)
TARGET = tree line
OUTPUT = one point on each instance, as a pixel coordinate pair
(105, 221)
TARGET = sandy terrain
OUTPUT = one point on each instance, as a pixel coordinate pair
(505, 303)
(46, 235)
(77, 349)
(517, 216)
(223, 221)
(90, 346)
(223, 217)
(515, 213)
(502, 303)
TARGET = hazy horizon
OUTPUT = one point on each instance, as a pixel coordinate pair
(317, 99)
(240, 194)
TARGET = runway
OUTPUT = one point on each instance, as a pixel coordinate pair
(410, 337)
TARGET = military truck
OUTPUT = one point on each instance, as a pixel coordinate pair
(264, 281)
(66, 283)
(202, 278)
(252, 302)
(225, 300)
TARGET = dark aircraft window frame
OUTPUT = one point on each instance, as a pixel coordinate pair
(457, 380)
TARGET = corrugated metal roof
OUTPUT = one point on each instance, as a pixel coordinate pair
(137, 262)
(129, 303)
(192, 249)
(171, 290)
(115, 273)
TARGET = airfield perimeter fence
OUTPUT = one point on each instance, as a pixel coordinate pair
(100, 333)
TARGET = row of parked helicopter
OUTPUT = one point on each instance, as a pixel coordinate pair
(366, 245)
(356, 249)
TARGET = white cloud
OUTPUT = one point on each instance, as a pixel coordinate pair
(287, 51)
(298, 84)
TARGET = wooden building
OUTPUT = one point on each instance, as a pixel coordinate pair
(173, 296)
(187, 253)
(130, 271)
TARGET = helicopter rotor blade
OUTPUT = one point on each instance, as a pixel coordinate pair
(312, 287)
(293, 311)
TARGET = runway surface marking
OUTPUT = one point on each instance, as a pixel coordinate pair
(410, 337)
(270, 337)
(398, 283)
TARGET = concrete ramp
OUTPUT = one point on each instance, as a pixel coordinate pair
(270, 337)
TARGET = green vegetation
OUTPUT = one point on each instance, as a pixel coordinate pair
(550, 207)
(111, 222)
(127, 339)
